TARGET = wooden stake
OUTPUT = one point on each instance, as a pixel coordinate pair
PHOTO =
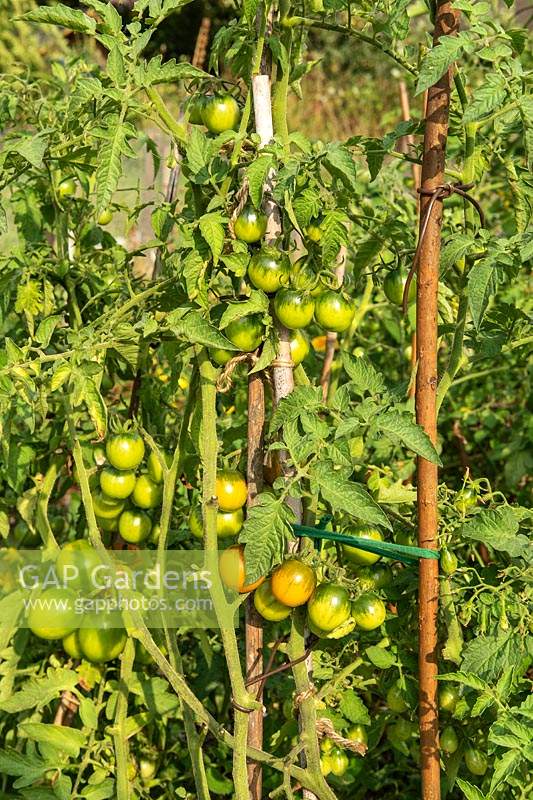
(253, 621)
(436, 131)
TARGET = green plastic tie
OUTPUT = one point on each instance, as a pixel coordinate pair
(399, 552)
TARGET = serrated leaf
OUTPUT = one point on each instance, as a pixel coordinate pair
(303, 398)
(268, 354)
(266, 532)
(46, 327)
(257, 303)
(439, 59)
(488, 656)
(364, 376)
(257, 172)
(109, 165)
(116, 68)
(470, 791)
(212, 229)
(38, 692)
(455, 249)
(334, 228)
(504, 766)
(95, 405)
(481, 285)
(340, 163)
(67, 740)
(344, 495)
(60, 14)
(498, 528)
(469, 679)
(353, 708)
(194, 328)
(486, 98)
(61, 374)
(400, 425)
(156, 72)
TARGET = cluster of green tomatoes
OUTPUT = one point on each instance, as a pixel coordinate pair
(125, 497)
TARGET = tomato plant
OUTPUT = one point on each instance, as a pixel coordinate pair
(165, 219)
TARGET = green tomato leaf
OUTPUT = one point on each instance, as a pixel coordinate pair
(38, 692)
(212, 229)
(345, 495)
(353, 708)
(194, 328)
(498, 528)
(398, 425)
(67, 740)
(364, 376)
(470, 792)
(59, 14)
(266, 532)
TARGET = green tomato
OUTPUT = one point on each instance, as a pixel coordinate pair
(101, 643)
(304, 278)
(147, 767)
(105, 217)
(268, 270)
(372, 578)
(231, 490)
(448, 561)
(465, 500)
(267, 605)
(220, 356)
(106, 507)
(329, 606)
(449, 741)
(125, 450)
(394, 284)
(313, 231)
(294, 309)
(75, 564)
(361, 557)
(53, 614)
(155, 534)
(448, 698)
(402, 730)
(299, 347)
(107, 525)
(405, 538)
(396, 700)
(220, 112)
(229, 523)
(147, 493)
(71, 645)
(325, 766)
(117, 483)
(357, 733)
(476, 761)
(246, 333)
(338, 761)
(368, 611)
(155, 470)
(250, 225)
(333, 311)
(326, 745)
(67, 188)
(134, 526)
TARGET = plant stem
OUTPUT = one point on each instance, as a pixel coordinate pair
(208, 456)
(119, 733)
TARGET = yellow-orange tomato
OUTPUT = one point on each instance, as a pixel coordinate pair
(293, 583)
(231, 490)
(233, 572)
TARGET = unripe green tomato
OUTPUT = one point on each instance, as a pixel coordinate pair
(147, 767)
(326, 745)
(402, 730)
(134, 526)
(449, 741)
(103, 643)
(195, 106)
(107, 525)
(371, 578)
(329, 606)
(246, 333)
(75, 564)
(333, 311)
(125, 450)
(369, 611)
(67, 188)
(313, 231)
(476, 761)
(220, 356)
(299, 347)
(146, 493)
(229, 523)
(268, 270)
(394, 284)
(106, 507)
(57, 623)
(293, 308)
(405, 538)
(448, 561)
(395, 699)
(361, 557)
(155, 470)
(357, 733)
(105, 217)
(117, 483)
(448, 698)
(338, 761)
(267, 605)
(71, 645)
(250, 225)
(465, 500)
(325, 765)
(220, 112)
